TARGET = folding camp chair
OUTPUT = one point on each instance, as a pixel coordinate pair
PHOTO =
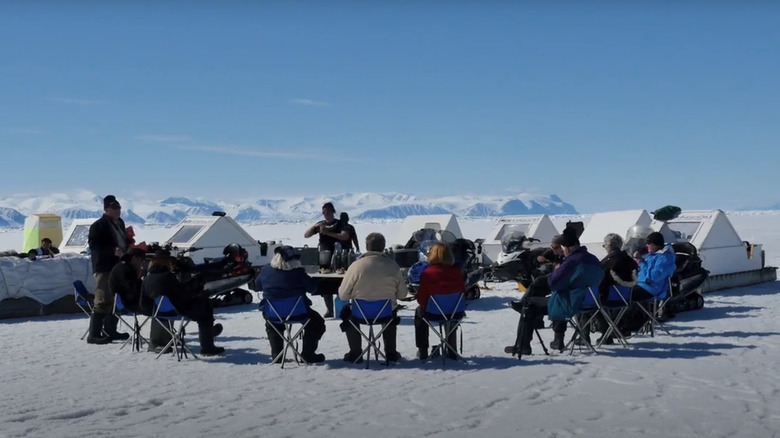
(84, 300)
(371, 313)
(443, 314)
(617, 303)
(651, 308)
(281, 314)
(167, 316)
(588, 311)
(136, 339)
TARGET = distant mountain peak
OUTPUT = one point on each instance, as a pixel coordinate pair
(361, 205)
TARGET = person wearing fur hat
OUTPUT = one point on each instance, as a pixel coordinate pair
(569, 283)
(107, 242)
(160, 280)
(284, 277)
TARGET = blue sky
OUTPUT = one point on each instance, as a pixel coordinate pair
(610, 105)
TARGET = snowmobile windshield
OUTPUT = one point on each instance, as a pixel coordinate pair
(513, 241)
(433, 236)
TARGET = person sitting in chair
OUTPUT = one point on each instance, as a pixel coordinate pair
(284, 277)
(620, 269)
(188, 302)
(373, 276)
(125, 281)
(568, 282)
(656, 268)
(439, 278)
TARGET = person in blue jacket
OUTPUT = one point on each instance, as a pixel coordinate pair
(569, 283)
(655, 269)
(284, 277)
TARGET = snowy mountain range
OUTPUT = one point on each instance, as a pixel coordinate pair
(360, 206)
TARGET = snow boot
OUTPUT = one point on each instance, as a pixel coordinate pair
(558, 342)
(206, 338)
(96, 335)
(158, 337)
(311, 340)
(110, 323)
(276, 341)
(389, 338)
(355, 345)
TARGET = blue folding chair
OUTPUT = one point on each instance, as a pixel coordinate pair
(84, 301)
(617, 303)
(136, 339)
(652, 306)
(371, 313)
(443, 315)
(585, 315)
(285, 312)
(167, 316)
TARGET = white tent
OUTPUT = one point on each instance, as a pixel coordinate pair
(618, 222)
(721, 249)
(76, 239)
(536, 226)
(212, 234)
(437, 222)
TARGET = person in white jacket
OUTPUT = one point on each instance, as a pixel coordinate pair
(374, 276)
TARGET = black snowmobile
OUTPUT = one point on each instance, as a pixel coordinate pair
(222, 278)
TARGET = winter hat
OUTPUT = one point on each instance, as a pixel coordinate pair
(655, 238)
(569, 237)
(110, 202)
(287, 252)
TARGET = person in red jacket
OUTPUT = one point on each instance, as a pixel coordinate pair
(439, 278)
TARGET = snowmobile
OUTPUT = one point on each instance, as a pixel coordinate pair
(516, 261)
(221, 278)
(463, 251)
(687, 279)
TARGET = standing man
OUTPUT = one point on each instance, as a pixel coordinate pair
(330, 232)
(108, 242)
(353, 242)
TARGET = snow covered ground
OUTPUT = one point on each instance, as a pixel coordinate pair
(718, 375)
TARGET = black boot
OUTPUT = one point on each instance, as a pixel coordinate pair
(525, 333)
(206, 338)
(558, 342)
(311, 340)
(582, 341)
(328, 306)
(276, 341)
(389, 337)
(158, 337)
(452, 346)
(109, 326)
(355, 345)
(96, 335)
